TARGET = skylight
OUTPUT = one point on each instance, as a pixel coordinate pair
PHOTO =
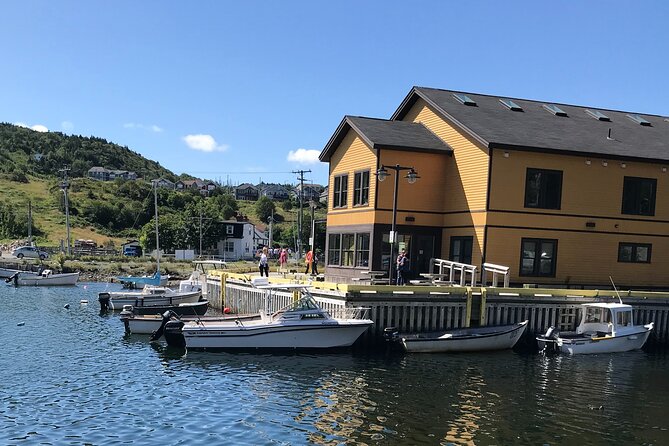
(508, 103)
(464, 99)
(639, 120)
(598, 115)
(557, 111)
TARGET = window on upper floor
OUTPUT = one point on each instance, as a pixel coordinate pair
(634, 252)
(229, 230)
(639, 196)
(339, 200)
(361, 188)
(538, 257)
(543, 188)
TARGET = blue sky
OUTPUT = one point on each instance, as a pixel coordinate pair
(244, 91)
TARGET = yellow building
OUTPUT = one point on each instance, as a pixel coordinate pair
(562, 194)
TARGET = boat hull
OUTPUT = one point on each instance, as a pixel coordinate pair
(148, 324)
(298, 336)
(466, 340)
(117, 301)
(30, 279)
(617, 344)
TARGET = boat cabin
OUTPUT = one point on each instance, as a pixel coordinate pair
(605, 319)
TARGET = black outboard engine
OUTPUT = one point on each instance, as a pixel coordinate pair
(166, 318)
(391, 334)
(547, 342)
(173, 334)
(13, 278)
(104, 298)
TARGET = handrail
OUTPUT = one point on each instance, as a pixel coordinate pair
(452, 267)
(496, 270)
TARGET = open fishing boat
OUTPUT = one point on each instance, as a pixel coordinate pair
(301, 325)
(151, 323)
(603, 328)
(471, 339)
(150, 296)
(45, 278)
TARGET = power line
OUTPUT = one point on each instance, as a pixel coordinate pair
(299, 220)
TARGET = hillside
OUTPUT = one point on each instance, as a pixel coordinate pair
(26, 151)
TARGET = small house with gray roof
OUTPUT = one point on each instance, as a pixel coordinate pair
(564, 195)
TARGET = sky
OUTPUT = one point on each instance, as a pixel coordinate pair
(251, 91)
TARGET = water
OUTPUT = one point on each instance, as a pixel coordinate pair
(70, 376)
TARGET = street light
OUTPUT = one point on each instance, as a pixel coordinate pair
(382, 173)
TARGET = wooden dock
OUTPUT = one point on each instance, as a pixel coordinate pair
(430, 308)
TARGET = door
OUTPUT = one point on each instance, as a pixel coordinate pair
(421, 255)
(461, 250)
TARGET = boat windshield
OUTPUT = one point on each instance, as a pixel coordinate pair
(597, 315)
(624, 318)
(306, 303)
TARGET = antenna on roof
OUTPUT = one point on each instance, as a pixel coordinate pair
(616, 289)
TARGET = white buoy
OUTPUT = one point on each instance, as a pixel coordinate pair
(83, 301)
(21, 324)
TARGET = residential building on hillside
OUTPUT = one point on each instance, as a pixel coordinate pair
(102, 174)
(311, 192)
(274, 192)
(564, 195)
(204, 187)
(165, 183)
(246, 192)
(239, 242)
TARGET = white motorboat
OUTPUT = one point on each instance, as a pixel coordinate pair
(603, 328)
(151, 323)
(300, 325)
(45, 278)
(6, 273)
(149, 296)
(470, 339)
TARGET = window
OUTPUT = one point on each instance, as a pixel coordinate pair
(543, 189)
(229, 229)
(557, 111)
(229, 246)
(340, 191)
(598, 115)
(347, 249)
(634, 252)
(639, 120)
(334, 247)
(464, 99)
(639, 196)
(361, 188)
(538, 257)
(508, 103)
(362, 250)
(461, 249)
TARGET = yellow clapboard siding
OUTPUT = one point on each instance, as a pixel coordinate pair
(352, 217)
(582, 258)
(466, 177)
(351, 156)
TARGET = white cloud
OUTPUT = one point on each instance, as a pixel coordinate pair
(37, 127)
(134, 125)
(204, 143)
(303, 156)
(67, 126)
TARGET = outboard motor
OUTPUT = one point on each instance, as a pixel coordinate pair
(548, 342)
(13, 278)
(126, 315)
(173, 334)
(391, 334)
(104, 298)
(166, 318)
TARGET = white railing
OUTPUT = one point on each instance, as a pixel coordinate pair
(454, 272)
(498, 271)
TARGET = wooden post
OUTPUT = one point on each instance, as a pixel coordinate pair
(483, 319)
(468, 311)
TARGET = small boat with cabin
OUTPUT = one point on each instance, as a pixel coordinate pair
(603, 328)
(45, 278)
(150, 296)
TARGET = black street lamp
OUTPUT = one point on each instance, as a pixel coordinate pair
(411, 177)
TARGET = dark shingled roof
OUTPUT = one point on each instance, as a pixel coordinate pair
(535, 128)
(386, 134)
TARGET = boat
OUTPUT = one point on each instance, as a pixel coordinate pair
(6, 273)
(603, 328)
(156, 279)
(149, 296)
(469, 339)
(198, 308)
(301, 325)
(46, 278)
(151, 323)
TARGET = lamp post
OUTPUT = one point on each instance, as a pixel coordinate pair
(411, 177)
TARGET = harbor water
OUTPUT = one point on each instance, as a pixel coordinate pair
(71, 376)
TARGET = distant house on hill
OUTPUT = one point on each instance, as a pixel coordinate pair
(246, 192)
(238, 242)
(103, 174)
(164, 183)
(324, 195)
(274, 192)
(311, 192)
(204, 187)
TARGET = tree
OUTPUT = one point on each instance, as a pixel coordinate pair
(264, 208)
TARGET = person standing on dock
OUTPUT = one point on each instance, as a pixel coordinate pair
(263, 265)
(308, 258)
(402, 266)
(283, 260)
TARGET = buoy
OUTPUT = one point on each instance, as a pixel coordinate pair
(226, 310)
(21, 324)
(67, 306)
(83, 301)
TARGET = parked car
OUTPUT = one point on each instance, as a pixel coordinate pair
(30, 252)
(132, 251)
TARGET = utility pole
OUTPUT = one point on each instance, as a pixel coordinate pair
(200, 251)
(271, 220)
(30, 223)
(299, 219)
(65, 185)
